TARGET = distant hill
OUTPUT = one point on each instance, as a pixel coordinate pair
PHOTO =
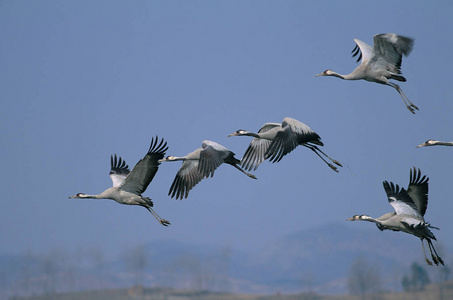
(311, 260)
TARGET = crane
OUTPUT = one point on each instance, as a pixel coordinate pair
(275, 140)
(435, 143)
(410, 206)
(380, 62)
(128, 186)
(200, 164)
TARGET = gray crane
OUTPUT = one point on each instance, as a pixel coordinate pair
(380, 62)
(435, 143)
(410, 207)
(128, 186)
(274, 140)
(200, 164)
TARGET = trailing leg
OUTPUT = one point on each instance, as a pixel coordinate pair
(316, 149)
(410, 106)
(240, 169)
(424, 253)
(435, 256)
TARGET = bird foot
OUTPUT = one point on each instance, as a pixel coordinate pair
(440, 261)
(428, 262)
(337, 162)
(251, 176)
(412, 108)
(164, 222)
(437, 260)
(333, 167)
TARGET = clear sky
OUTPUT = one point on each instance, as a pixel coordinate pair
(81, 80)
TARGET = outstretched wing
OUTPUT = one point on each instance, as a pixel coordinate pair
(388, 50)
(254, 155)
(292, 134)
(212, 156)
(143, 172)
(418, 190)
(187, 177)
(364, 51)
(400, 200)
(118, 170)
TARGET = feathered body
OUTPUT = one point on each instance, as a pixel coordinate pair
(200, 164)
(275, 140)
(380, 63)
(410, 206)
(128, 186)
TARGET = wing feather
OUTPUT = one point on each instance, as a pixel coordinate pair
(118, 170)
(143, 172)
(388, 50)
(292, 134)
(187, 177)
(400, 200)
(211, 157)
(254, 155)
(418, 190)
(364, 50)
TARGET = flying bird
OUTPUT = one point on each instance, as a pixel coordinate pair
(200, 164)
(381, 62)
(410, 206)
(128, 186)
(274, 140)
(435, 143)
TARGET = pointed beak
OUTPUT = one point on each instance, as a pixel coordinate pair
(161, 160)
(421, 145)
(234, 133)
(72, 197)
(317, 75)
(350, 219)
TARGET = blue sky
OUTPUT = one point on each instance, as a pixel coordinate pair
(82, 80)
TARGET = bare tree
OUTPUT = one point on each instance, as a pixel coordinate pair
(136, 262)
(364, 279)
(417, 279)
(97, 258)
(224, 269)
(49, 267)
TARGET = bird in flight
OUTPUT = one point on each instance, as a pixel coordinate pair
(128, 186)
(409, 209)
(435, 143)
(381, 62)
(275, 140)
(200, 164)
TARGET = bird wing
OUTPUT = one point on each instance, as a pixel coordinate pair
(254, 155)
(212, 156)
(304, 133)
(400, 200)
(292, 134)
(364, 51)
(418, 190)
(268, 126)
(187, 177)
(388, 50)
(118, 170)
(143, 172)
